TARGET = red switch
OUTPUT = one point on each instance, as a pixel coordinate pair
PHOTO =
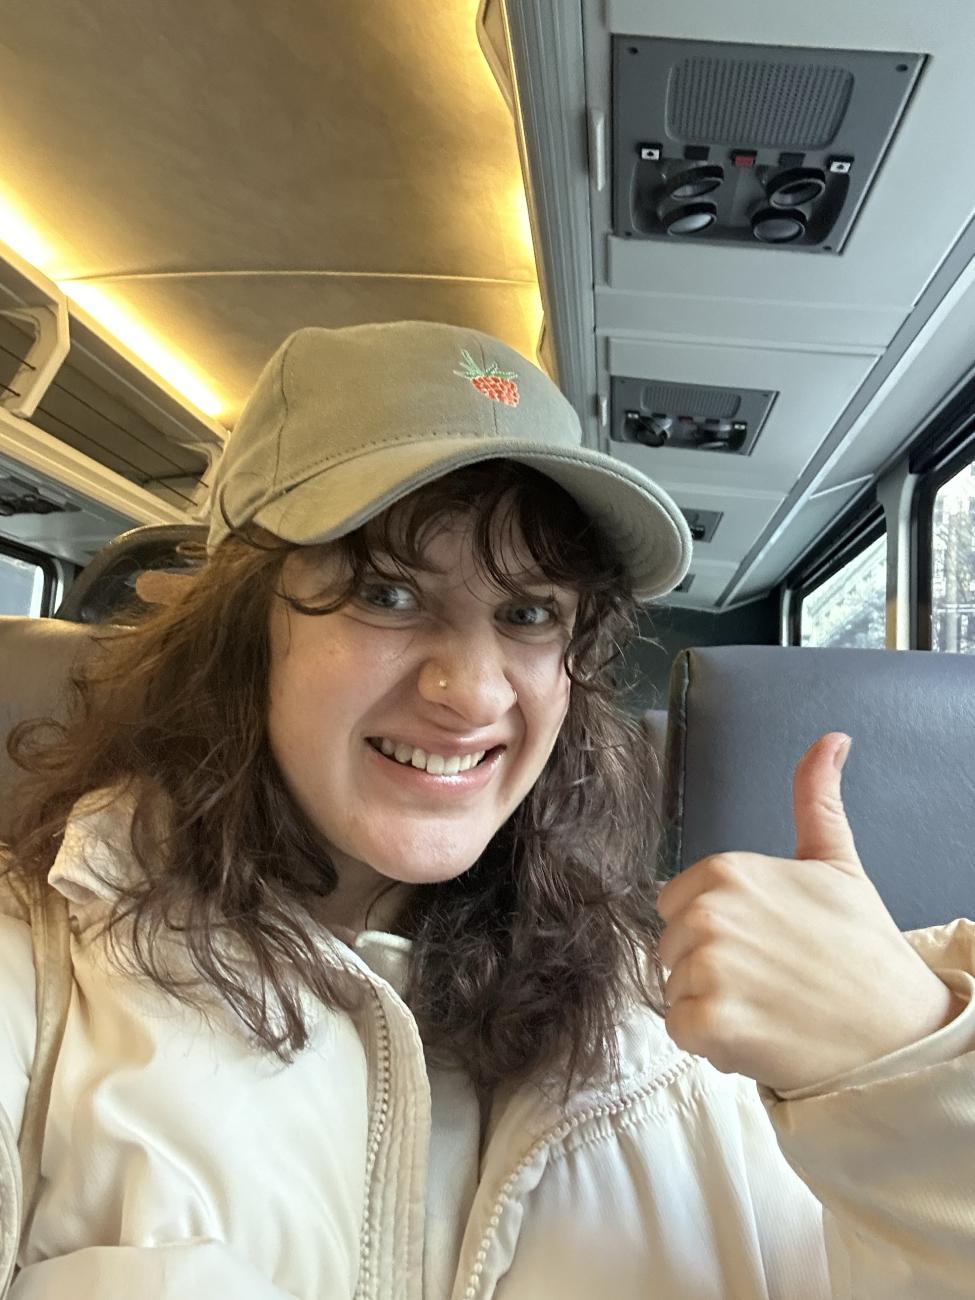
(743, 157)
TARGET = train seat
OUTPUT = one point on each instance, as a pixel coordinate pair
(740, 718)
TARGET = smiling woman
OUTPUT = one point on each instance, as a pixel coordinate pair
(355, 849)
(481, 615)
(457, 671)
(386, 699)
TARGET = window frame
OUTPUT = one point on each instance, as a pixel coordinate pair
(49, 569)
(940, 448)
(945, 448)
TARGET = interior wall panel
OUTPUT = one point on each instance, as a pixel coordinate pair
(813, 389)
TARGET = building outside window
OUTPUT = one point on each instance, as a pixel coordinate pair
(849, 608)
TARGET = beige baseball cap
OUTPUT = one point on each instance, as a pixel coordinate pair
(344, 422)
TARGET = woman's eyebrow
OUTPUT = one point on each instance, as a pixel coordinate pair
(388, 564)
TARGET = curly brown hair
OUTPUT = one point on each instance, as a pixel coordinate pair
(521, 965)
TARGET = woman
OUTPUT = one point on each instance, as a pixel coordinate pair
(369, 992)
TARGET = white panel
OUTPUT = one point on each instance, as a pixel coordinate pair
(708, 585)
(753, 320)
(940, 358)
(836, 24)
(919, 187)
(813, 390)
(743, 517)
(811, 521)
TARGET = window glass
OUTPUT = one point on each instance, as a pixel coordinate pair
(849, 609)
(953, 564)
(21, 586)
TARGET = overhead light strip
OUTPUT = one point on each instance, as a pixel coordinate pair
(21, 235)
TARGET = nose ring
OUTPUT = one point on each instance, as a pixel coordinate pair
(442, 683)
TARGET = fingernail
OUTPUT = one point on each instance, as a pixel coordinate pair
(841, 752)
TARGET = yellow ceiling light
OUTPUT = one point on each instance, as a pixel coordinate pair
(521, 228)
(520, 219)
(120, 322)
(20, 233)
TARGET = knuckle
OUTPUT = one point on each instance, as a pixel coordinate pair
(725, 866)
(695, 1028)
(705, 920)
(705, 967)
(829, 805)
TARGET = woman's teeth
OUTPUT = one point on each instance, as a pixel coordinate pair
(435, 764)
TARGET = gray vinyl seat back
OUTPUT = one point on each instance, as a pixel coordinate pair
(740, 718)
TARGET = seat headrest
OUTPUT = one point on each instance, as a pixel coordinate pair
(107, 582)
(36, 659)
(741, 717)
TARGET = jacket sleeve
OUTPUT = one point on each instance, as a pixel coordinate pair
(889, 1151)
(18, 1020)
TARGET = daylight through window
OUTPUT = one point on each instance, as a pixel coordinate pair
(953, 564)
(849, 608)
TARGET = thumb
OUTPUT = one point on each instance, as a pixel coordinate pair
(822, 830)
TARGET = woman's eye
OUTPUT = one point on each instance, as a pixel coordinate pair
(387, 595)
(531, 615)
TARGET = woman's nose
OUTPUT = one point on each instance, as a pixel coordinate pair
(476, 687)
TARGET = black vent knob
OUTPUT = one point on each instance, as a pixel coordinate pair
(775, 226)
(798, 185)
(693, 182)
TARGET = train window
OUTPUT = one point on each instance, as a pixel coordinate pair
(849, 607)
(953, 564)
(26, 582)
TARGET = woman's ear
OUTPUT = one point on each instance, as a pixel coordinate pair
(157, 587)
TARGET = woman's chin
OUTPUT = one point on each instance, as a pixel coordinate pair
(424, 871)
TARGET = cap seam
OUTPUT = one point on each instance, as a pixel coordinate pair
(285, 358)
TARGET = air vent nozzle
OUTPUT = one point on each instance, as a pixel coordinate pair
(702, 523)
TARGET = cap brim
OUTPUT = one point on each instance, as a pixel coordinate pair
(646, 526)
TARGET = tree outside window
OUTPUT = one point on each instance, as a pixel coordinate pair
(953, 565)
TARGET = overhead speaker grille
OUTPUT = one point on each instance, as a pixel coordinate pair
(769, 146)
(779, 105)
(687, 417)
(692, 399)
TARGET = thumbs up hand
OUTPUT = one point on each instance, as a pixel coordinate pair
(791, 971)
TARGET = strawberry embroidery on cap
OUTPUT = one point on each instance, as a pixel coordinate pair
(493, 382)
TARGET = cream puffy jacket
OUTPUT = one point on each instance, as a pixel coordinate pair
(180, 1163)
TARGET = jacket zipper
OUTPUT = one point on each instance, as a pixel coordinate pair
(377, 1128)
